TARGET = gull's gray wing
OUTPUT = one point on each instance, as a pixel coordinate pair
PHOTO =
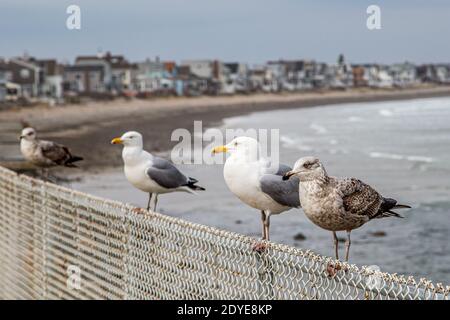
(285, 192)
(359, 198)
(52, 151)
(166, 174)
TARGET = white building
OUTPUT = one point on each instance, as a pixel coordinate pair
(203, 68)
(404, 74)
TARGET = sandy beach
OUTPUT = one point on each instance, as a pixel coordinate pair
(91, 126)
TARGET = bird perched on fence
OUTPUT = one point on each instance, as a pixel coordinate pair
(45, 154)
(256, 182)
(338, 204)
(149, 173)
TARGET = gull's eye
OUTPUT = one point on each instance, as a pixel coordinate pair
(308, 165)
(235, 144)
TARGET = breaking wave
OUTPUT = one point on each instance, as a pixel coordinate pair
(394, 156)
(288, 142)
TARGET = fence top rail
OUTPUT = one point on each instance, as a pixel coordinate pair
(353, 277)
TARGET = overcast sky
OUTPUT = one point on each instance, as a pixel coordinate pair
(251, 31)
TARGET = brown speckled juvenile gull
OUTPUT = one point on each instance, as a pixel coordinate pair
(338, 204)
(45, 154)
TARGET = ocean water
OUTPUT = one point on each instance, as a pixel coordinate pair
(401, 148)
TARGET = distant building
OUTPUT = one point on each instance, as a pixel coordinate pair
(106, 75)
(278, 72)
(153, 76)
(236, 78)
(189, 84)
(116, 72)
(383, 79)
(339, 75)
(21, 76)
(403, 74)
(5, 78)
(33, 78)
(85, 79)
(372, 75)
(293, 75)
(9, 91)
(324, 76)
(359, 76)
(50, 78)
(442, 73)
(203, 68)
(213, 70)
(262, 78)
(426, 73)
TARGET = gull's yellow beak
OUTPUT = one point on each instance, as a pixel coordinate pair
(116, 141)
(219, 149)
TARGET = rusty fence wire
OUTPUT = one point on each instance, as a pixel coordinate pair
(57, 243)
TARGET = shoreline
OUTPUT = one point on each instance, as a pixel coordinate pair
(91, 126)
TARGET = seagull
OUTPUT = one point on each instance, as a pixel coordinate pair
(45, 154)
(151, 174)
(256, 182)
(338, 204)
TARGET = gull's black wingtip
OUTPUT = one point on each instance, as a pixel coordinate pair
(192, 185)
(402, 206)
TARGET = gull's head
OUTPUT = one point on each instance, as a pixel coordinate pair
(129, 139)
(244, 146)
(306, 168)
(28, 134)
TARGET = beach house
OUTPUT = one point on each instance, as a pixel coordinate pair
(20, 78)
(403, 74)
(236, 78)
(113, 71)
(84, 80)
(263, 79)
(213, 70)
(50, 79)
(154, 77)
(189, 84)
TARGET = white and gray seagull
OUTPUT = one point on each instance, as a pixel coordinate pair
(256, 182)
(151, 174)
(338, 204)
(45, 154)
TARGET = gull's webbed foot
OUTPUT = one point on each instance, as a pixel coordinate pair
(333, 269)
(259, 246)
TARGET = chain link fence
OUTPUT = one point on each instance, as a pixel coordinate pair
(57, 243)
